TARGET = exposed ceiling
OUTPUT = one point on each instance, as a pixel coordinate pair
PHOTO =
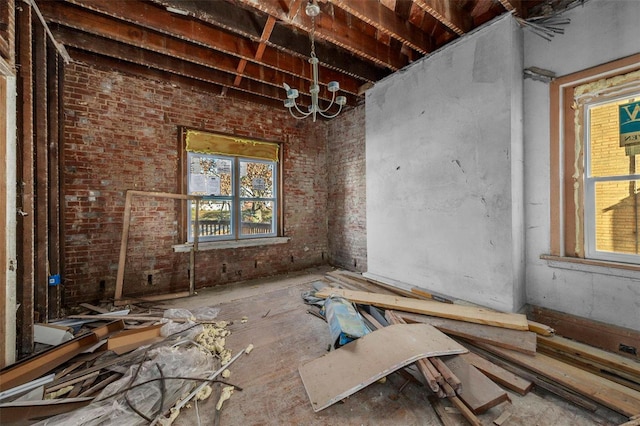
(249, 48)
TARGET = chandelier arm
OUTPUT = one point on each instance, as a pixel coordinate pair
(321, 111)
(304, 114)
(331, 115)
(297, 117)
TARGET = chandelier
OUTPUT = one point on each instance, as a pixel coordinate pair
(314, 109)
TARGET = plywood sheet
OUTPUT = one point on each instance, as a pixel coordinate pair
(518, 340)
(428, 307)
(350, 368)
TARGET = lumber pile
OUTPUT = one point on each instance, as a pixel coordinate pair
(505, 351)
(142, 363)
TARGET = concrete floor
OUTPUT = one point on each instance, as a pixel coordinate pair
(284, 335)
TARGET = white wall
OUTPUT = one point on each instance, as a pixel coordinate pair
(444, 171)
(600, 31)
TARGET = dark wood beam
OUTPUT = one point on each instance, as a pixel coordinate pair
(386, 21)
(448, 13)
(218, 26)
(336, 32)
(26, 182)
(42, 172)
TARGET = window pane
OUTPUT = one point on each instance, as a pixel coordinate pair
(607, 157)
(617, 216)
(214, 219)
(257, 217)
(256, 179)
(210, 175)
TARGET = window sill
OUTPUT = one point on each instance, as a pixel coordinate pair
(626, 270)
(221, 245)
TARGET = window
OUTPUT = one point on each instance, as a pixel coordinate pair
(238, 181)
(612, 215)
(595, 176)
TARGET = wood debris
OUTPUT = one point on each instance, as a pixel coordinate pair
(107, 352)
(506, 350)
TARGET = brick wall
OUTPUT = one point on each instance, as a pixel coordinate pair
(120, 133)
(347, 218)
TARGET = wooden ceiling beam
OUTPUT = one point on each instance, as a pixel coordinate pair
(129, 34)
(186, 28)
(266, 33)
(447, 12)
(224, 15)
(385, 20)
(513, 6)
(336, 32)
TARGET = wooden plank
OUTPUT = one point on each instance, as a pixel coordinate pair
(128, 340)
(538, 380)
(29, 412)
(478, 392)
(499, 374)
(522, 341)
(442, 413)
(464, 410)
(38, 365)
(429, 307)
(350, 368)
(604, 359)
(541, 329)
(94, 308)
(612, 395)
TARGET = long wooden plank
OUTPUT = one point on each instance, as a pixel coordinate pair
(428, 307)
(41, 364)
(614, 362)
(352, 367)
(612, 395)
(518, 340)
(478, 392)
(498, 374)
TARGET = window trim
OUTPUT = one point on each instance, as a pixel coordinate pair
(183, 185)
(567, 234)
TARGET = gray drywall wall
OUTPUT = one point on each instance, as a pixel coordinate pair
(444, 171)
(600, 31)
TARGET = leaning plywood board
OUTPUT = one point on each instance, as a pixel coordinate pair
(612, 395)
(518, 340)
(429, 307)
(352, 367)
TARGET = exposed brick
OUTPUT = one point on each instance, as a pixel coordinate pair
(120, 133)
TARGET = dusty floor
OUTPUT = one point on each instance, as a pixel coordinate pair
(285, 335)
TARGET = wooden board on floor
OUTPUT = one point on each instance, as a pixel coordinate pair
(429, 307)
(346, 370)
(478, 392)
(518, 340)
(612, 395)
(498, 374)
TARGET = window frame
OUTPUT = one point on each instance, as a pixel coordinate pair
(567, 180)
(236, 217)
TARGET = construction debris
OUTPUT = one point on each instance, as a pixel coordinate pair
(503, 351)
(119, 368)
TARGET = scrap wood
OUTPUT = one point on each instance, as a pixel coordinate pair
(464, 410)
(519, 340)
(498, 374)
(442, 412)
(611, 395)
(541, 329)
(614, 363)
(346, 370)
(448, 375)
(430, 373)
(94, 308)
(28, 412)
(537, 380)
(477, 391)
(129, 340)
(429, 307)
(40, 364)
